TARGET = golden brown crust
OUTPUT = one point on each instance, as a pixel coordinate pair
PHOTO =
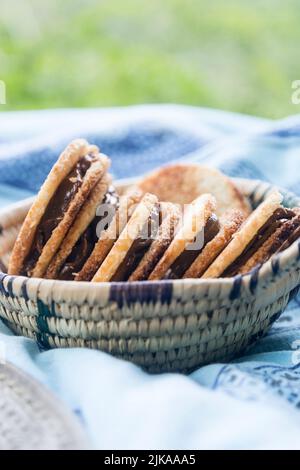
(160, 244)
(92, 176)
(67, 160)
(272, 245)
(230, 223)
(194, 221)
(126, 239)
(109, 236)
(244, 236)
(82, 221)
(182, 183)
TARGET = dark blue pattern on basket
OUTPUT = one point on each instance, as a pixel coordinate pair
(236, 290)
(44, 312)
(24, 290)
(254, 279)
(2, 289)
(9, 286)
(141, 292)
(42, 341)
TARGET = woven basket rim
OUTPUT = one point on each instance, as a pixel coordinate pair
(282, 261)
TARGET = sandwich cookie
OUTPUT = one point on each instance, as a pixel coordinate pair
(133, 242)
(82, 236)
(183, 183)
(68, 186)
(170, 218)
(253, 243)
(230, 222)
(198, 227)
(287, 233)
(108, 237)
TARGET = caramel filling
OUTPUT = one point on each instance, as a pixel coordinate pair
(55, 211)
(138, 247)
(188, 256)
(280, 216)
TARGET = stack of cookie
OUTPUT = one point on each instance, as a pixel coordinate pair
(182, 221)
(59, 233)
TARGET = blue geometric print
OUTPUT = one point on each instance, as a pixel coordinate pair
(132, 151)
(258, 382)
(242, 168)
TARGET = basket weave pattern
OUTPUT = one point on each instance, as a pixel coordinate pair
(161, 326)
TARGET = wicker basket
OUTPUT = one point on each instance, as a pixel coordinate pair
(162, 325)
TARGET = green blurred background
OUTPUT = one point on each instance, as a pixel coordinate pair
(237, 55)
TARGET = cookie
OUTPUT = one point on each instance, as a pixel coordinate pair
(230, 223)
(198, 227)
(133, 242)
(166, 232)
(67, 188)
(109, 236)
(287, 232)
(182, 183)
(82, 236)
(257, 229)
